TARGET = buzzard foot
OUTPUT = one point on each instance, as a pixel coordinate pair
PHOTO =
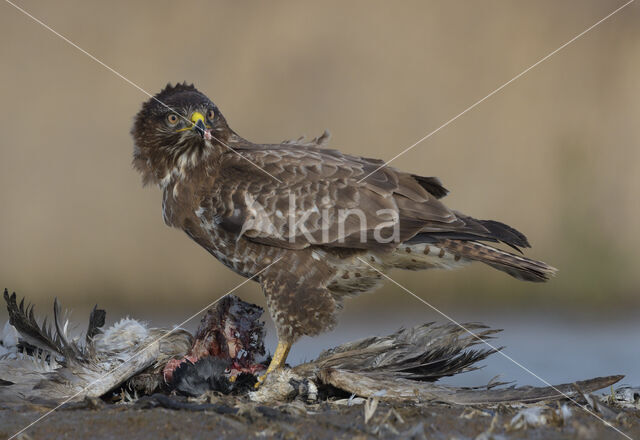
(277, 361)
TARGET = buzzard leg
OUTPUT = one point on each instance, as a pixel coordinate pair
(280, 356)
(278, 359)
(298, 301)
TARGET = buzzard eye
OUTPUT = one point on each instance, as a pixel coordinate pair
(210, 115)
(172, 119)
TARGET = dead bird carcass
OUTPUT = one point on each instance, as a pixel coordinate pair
(40, 362)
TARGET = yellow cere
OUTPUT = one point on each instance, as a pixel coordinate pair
(195, 117)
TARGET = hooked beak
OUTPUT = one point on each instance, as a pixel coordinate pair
(198, 123)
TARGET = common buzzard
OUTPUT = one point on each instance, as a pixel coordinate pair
(315, 224)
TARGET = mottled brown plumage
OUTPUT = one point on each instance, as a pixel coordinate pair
(280, 209)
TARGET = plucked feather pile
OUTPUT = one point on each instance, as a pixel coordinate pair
(41, 362)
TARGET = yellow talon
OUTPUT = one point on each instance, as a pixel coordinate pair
(277, 361)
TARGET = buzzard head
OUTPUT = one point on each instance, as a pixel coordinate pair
(175, 129)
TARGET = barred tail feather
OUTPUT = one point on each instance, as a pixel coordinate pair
(518, 267)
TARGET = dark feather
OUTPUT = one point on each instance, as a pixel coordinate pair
(485, 230)
(432, 185)
(506, 234)
(23, 319)
(423, 353)
(96, 322)
(522, 268)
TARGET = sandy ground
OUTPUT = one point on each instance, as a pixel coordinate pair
(161, 417)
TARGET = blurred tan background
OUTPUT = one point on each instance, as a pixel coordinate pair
(555, 154)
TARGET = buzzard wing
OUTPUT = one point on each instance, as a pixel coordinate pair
(318, 199)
